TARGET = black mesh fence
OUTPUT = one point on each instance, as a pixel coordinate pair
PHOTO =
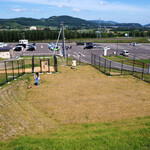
(9, 70)
(135, 68)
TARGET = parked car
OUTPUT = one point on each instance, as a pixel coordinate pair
(31, 48)
(134, 44)
(79, 43)
(21, 44)
(32, 44)
(89, 43)
(3, 44)
(18, 48)
(88, 46)
(124, 53)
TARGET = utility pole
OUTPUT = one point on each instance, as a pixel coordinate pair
(100, 27)
(63, 41)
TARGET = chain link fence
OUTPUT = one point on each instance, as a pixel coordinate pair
(124, 67)
(10, 70)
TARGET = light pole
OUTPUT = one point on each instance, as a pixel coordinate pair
(117, 46)
(63, 41)
(100, 27)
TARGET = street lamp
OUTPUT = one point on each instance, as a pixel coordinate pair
(117, 46)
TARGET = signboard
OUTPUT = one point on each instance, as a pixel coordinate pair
(44, 65)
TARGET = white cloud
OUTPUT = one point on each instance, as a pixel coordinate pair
(18, 10)
(37, 10)
(76, 9)
(60, 6)
(92, 5)
(102, 3)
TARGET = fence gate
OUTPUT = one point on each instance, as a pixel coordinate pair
(44, 65)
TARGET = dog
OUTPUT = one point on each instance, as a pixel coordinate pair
(30, 86)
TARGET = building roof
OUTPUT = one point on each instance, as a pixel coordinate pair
(5, 49)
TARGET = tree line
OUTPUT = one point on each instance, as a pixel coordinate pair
(38, 35)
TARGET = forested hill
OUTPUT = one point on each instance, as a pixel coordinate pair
(112, 23)
(55, 21)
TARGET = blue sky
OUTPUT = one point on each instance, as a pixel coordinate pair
(123, 11)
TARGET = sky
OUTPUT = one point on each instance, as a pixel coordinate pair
(122, 11)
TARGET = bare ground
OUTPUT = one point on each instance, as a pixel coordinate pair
(72, 96)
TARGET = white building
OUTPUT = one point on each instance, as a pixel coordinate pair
(33, 28)
(5, 52)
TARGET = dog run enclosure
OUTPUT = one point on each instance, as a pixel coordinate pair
(112, 68)
(10, 70)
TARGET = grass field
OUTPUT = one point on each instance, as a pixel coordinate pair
(128, 61)
(75, 109)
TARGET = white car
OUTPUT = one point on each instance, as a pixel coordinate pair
(125, 53)
(3, 45)
(134, 44)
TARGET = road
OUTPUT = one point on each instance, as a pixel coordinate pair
(139, 52)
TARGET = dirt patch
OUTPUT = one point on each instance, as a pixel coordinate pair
(28, 70)
(115, 73)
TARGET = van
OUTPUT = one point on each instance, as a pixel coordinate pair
(23, 41)
(124, 53)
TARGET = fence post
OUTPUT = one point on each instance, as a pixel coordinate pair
(33, 64)
(109, 67)
(6, 71)
(18, 67)
(105, 66)
(40, 66)
(67, 60)
(121, 67)
(91, 59)
(133, 67)
(143, 71)
(99, 63)
(24, 66)
(55, 63)
(13, 68)
(48, 65)
(94, 60)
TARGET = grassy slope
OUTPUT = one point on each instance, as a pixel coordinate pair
(129, 134)
(80, 114)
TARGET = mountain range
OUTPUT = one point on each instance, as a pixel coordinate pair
(70, 22)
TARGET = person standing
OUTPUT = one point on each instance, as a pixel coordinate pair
(37, 78)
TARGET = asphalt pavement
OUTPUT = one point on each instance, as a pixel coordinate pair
(78, 52)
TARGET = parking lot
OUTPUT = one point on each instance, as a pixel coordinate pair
(139, 52)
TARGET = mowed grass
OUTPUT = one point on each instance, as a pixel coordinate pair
(86, 95)
(75, 109)
(122, 135)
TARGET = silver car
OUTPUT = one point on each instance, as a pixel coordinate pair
(125, 53)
